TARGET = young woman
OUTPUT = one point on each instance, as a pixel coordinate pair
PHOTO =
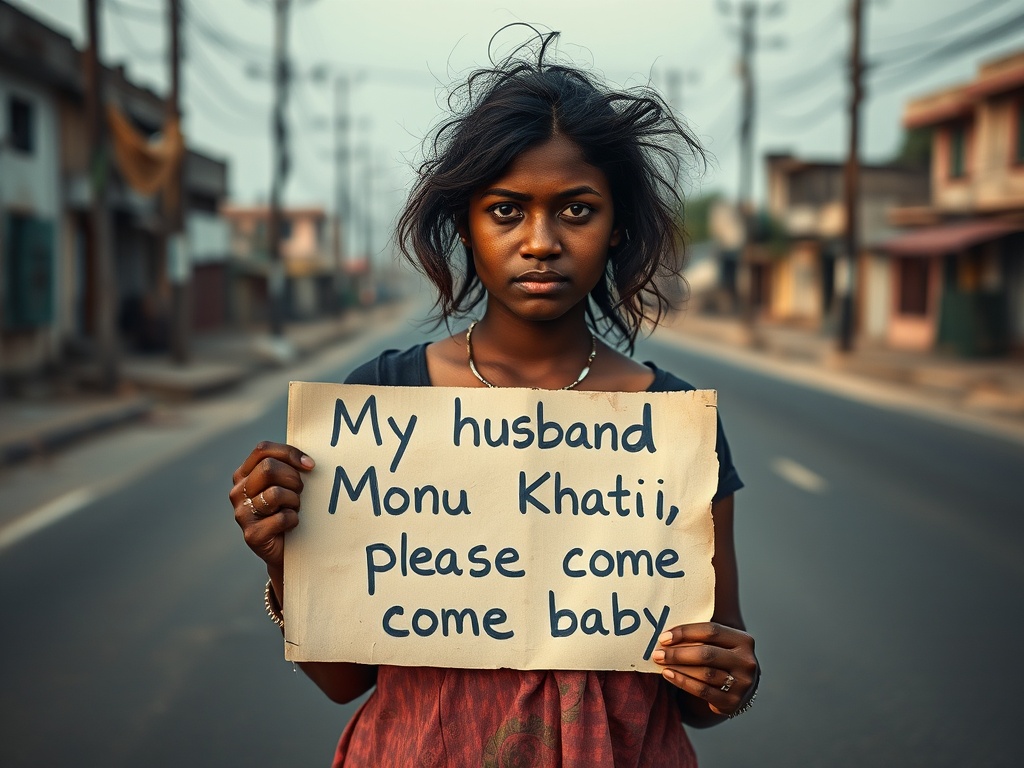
(549, 202)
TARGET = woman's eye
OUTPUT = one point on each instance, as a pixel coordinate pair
(577, 211)
(504, 211)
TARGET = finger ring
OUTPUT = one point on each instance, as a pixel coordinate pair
(264, 502)
(729, 680)
(245, 492)
(248, 503)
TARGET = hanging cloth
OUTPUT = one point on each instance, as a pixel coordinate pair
(148, 167)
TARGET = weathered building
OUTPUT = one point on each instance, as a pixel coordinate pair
(958, 266)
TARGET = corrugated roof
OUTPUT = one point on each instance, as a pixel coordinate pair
(948, 238)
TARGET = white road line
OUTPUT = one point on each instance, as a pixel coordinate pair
(799, 475)
(46, 515)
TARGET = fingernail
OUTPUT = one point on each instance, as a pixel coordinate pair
(666, 638)
(658, 655)
(307, 462)
(669, 674)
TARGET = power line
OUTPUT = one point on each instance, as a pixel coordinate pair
(975, 39)
(135, 49)
(945, 23)
(151, 15)
(236, 46)
(229, 91)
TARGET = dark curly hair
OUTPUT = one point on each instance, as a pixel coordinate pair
(521, 101)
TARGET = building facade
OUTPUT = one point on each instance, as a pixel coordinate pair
(958, 265)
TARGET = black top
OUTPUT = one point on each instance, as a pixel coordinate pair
(408, 368)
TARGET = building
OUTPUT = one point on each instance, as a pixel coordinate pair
(46, 259)
(309, 265)
(958, 265)
(801, 275)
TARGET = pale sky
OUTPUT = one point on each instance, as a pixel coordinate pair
(409, 50)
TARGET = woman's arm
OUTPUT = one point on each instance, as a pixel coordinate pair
(265, 494)
(712, 664)
(340, 681)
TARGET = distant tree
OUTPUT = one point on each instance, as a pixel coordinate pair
(696, 212)
(915, 149)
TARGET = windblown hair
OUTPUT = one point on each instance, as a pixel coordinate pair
(520, 102)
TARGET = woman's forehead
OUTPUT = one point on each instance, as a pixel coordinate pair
(557, 162)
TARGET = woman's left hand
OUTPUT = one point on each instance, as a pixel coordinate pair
(711, 661)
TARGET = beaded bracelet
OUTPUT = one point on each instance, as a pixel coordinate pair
(750, 701)
(745, 707)
(272, 606)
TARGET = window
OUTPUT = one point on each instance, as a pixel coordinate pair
(1018, 154)
(21, 119)
(957, 151)
(913, 286)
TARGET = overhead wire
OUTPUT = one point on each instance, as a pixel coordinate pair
(900, 71)
(131, 43)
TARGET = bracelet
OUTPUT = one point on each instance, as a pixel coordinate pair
(744, 708)
(272, 606)
(750, 701)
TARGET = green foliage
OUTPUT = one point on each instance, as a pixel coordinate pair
(696, 212)
(915, 149)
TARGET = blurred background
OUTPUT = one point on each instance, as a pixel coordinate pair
(196, 205)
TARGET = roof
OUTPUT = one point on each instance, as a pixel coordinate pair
(949, 238)
(957, 102)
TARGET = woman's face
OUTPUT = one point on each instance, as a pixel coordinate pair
(541, 232)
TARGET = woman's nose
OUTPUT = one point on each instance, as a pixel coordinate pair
(540, 238)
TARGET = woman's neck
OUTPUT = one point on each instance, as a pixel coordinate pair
(520, 352)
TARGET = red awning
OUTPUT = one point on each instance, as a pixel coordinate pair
(948, 238)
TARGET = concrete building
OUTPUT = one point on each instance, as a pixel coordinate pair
(805, 202)
(46, 259)
(306, 252)
(958, 266)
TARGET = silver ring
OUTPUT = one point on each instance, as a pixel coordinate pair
(264, 502)
(729, 680)
(248, 503)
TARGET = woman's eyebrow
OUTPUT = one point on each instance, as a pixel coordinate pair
(583, 189)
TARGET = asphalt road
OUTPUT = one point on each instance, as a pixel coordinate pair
(882, 563)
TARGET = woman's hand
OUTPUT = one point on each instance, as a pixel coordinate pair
(711, 661)
(265, 495)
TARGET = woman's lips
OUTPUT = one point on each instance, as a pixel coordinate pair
(542, 282)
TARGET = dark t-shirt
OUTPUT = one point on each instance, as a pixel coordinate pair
(408, 368)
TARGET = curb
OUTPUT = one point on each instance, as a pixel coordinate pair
(39, 441)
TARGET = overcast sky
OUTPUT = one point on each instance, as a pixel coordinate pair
(409, 50)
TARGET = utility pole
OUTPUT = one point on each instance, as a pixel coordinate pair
(177, 257)
(748, 20)
(104, 304)
(851, 182)
(674, 80)
(281, 166)
(342, 156)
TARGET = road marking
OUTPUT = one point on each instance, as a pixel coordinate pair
(46, 515)
(799, 475)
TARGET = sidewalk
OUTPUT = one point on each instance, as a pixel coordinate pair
(31, 428)
(985, 387)
(991, 389)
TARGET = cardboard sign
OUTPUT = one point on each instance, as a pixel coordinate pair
(498, 528)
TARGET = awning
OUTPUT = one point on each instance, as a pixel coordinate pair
(948, 238)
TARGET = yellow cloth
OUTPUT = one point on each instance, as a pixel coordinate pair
(148, 167)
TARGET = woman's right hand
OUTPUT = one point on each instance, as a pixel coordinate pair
(265, 495)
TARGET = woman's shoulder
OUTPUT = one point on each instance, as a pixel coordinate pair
(665, 381)
(394, 367)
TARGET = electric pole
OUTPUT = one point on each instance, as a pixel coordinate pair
(175, 245)
(851, 182)
(748, 19)
(104, 304)
(342, 164)
(674, 80)
(281, 166)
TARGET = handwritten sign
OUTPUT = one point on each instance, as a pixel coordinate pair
(498, 528)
